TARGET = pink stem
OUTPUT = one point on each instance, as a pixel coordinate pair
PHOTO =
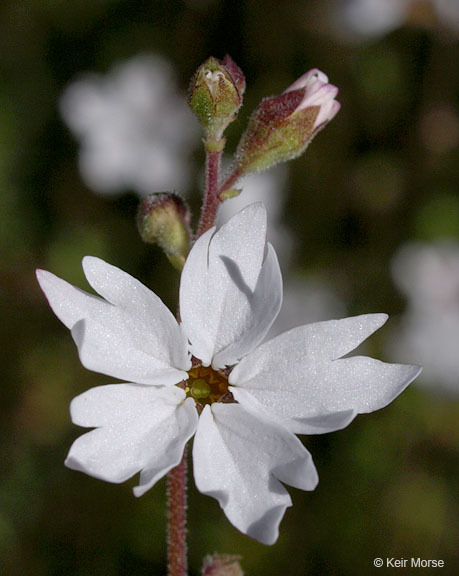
(211, 199)
(177, 505)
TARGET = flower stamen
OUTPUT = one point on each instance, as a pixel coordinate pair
(207, 385)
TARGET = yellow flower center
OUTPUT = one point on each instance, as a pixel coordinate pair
(207, 385)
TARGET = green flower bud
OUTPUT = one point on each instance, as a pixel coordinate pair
(282, 126)
(164, 219)
(215, 96)
(222, 565)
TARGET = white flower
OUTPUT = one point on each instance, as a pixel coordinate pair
(135, 131)
(429, 330)
(245, 444)
(370, 17)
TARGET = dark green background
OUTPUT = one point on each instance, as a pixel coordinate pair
(370, 182)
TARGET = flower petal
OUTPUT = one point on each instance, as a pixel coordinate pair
(297, 379)
(135, 337)
(140, 428)
(239, 460)
(289, 411)
(265, 304)
(226, 284)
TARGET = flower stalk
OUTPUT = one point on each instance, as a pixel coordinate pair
(176, 516)
(211, 193)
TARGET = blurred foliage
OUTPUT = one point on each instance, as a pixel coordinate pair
(383, 172)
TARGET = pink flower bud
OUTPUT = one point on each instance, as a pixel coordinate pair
(317, 92)
(282, 126)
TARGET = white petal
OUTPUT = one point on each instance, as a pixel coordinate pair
(192, 291)
(139, 428)
(297, 379)
(312, 77)
(289, 411)
(226, 282)
(69, 303)
(239, 459)
(133, 338)
(265, 304)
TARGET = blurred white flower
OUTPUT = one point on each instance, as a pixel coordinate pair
(428, 274)
(448, 12)
(362, 19)
(135, 131)
(371, 17)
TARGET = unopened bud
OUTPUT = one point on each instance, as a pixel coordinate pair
(282, 126)
(215, 95)
(164, 219)
(222, 565)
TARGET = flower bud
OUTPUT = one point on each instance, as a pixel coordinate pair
(164, 219)
(215, 95)
(282, 126)
(222, 565)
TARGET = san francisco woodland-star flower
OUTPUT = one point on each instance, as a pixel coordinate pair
(210, 376)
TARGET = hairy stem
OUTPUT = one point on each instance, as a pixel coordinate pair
(176, 516)
(211, 199)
